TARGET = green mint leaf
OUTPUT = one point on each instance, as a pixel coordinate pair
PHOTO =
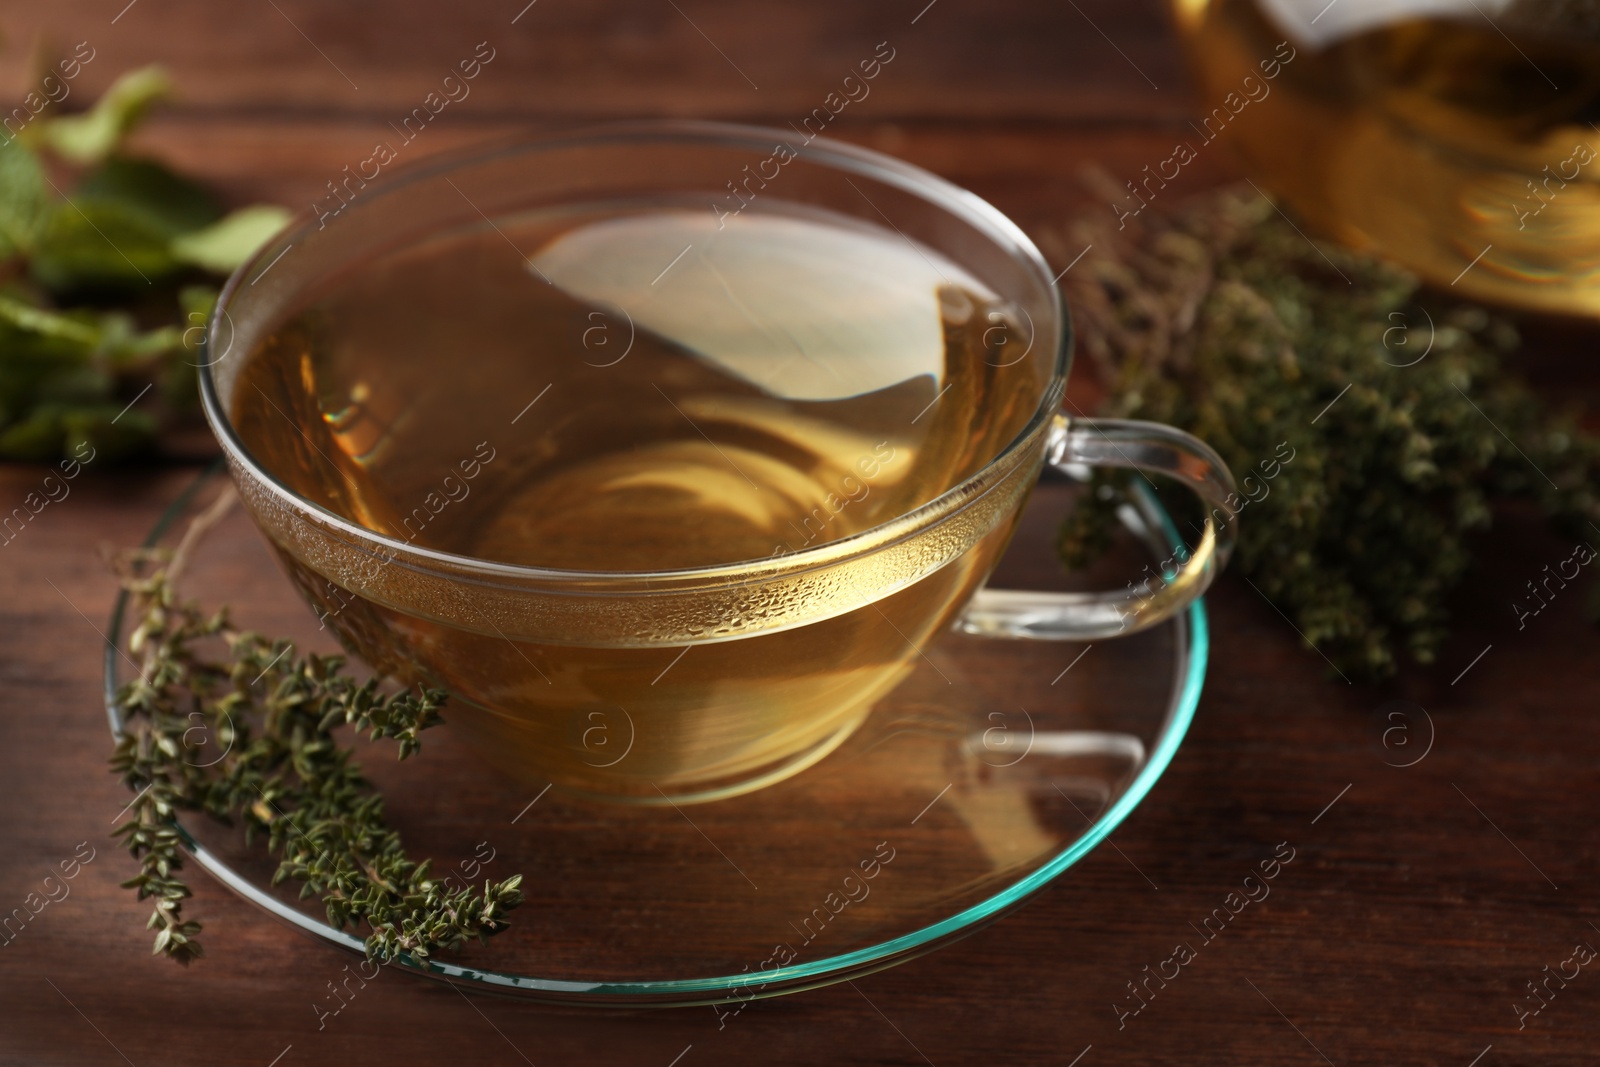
(127, 347)
(101, 246)
(22, 199)
(113, 431)
(37, 438)
(167, 201)
(57, 429)
(95, 134)
(52, 324)
(224, 245)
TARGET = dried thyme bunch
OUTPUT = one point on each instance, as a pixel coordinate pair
(1394, 404)
(282, 774)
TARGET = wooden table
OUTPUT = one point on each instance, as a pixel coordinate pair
(1422, 899)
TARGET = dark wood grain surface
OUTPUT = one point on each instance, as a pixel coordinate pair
(1421, 902)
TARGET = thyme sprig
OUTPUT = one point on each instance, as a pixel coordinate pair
(1397, 404)
(282, 773)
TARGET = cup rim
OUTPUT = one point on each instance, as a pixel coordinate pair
(826, 151)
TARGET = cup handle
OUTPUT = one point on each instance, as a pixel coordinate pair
(1149, 448)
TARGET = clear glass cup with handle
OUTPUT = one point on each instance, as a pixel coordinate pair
(686, 681)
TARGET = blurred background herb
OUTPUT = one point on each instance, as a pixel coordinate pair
(108, 270)
(1401, 420)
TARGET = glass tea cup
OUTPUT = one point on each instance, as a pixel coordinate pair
(897, 345)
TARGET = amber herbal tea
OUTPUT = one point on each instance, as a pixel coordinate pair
(645, 389)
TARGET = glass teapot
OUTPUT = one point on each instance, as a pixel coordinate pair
(1457, 137)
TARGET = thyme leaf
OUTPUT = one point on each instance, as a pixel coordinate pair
(1406, 424)
(284, 775)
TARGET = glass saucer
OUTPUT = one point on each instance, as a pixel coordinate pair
(993, 769)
